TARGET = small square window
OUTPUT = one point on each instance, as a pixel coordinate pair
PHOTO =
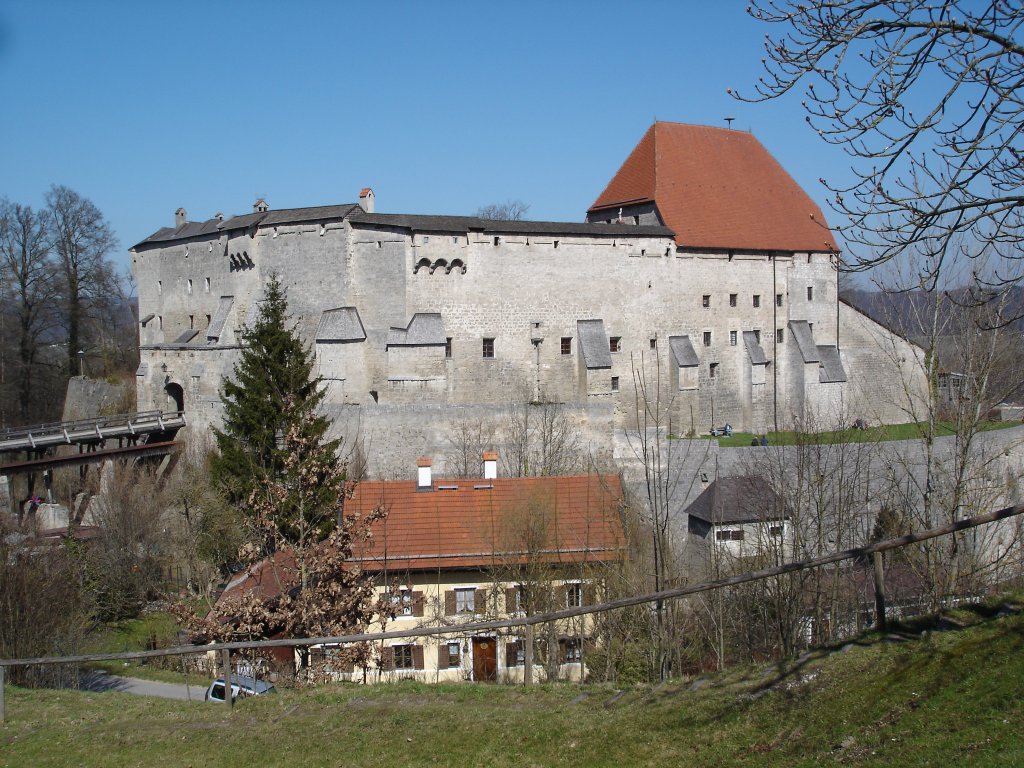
(453, 654)
(426, 239)
(707, 338)
(615, 383)
(706, 300)
(713, 370)
(654, 343)
(810, 293)
(732, 299)
(757, 300)
(778, 299)
(779, 336)
(614, 344)
(573, 595)
(402, 602)
(732, 338)
(448, 348)
(488, 348)
(567, 345)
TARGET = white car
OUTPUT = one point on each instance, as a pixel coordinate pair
(240, 686)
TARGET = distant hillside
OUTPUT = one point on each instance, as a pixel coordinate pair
(938, 692)
(909, 313)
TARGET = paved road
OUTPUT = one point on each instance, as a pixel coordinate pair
(101, 681)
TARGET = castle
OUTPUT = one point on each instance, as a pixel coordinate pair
(702, 268)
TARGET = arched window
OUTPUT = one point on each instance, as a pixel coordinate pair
(421, 264)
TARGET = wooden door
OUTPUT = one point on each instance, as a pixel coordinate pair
(485, 659)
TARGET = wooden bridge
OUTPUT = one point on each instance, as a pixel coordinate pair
(146, 433)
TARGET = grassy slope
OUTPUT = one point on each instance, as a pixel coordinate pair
(945, 695)
(882, 433)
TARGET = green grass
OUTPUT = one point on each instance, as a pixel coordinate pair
(151, 630)
(940, 698)
(883, 433)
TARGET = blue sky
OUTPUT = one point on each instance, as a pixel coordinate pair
(440, 107)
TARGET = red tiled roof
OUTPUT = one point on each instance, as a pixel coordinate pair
(718, 188)
(474, 523)
(265, 576)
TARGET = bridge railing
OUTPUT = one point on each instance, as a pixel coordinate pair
(102, 426)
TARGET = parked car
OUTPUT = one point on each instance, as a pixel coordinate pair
(240, 686)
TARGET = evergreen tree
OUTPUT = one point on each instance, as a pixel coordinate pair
(273, 436)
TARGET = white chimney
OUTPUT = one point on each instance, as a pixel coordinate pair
(180, 217)
(366, 199)
(423, 479)
(490, 465)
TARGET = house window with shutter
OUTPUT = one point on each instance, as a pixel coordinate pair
(464, 600)
(448, 655)
(515, 652)
(403, 657)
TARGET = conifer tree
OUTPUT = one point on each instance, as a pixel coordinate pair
(273, 436)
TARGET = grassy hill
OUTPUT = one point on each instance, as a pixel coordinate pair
(940, 692)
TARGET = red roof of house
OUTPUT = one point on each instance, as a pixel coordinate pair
(718, 188)
(474, 523)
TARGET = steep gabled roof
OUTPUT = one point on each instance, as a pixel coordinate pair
(744, 499)
(474, 523)
(717, 188)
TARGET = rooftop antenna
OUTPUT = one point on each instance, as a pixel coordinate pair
(728, 121)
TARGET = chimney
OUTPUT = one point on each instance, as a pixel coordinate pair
(423, 480)
(260, 206)
(218, 216)
(366, 199)
(490, 465)
(180, 217)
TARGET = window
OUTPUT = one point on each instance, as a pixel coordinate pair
(779, 335)
(570, 650)
(188, 287)
(810, 293)
(159, 287)
(757, 300)
(567, 345)
(706, 300)
(707, 338)
(207, 285)
(729, 535)
(402, 603)
(403, 657)
(453, 653)
(207, 321)
(778, 299)
(448, 348)
(465, 600)
(488, 347)
(160, 323)
(426, 239)
(573, 595)
(775, 530)
(191, 322)
(497, 240)
(614, 344)
(713, 370)
(732, 299)
(732, 338)
(615, 383)
(654, 343)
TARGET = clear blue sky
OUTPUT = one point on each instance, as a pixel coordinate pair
(440, 107)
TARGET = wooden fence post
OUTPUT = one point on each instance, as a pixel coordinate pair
(528, 656)
(225, 662)
(880, 620)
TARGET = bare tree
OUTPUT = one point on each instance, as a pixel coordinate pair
(82, 240)
(926, 98)
(467, 440)
(28, 271)
(510, 210)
